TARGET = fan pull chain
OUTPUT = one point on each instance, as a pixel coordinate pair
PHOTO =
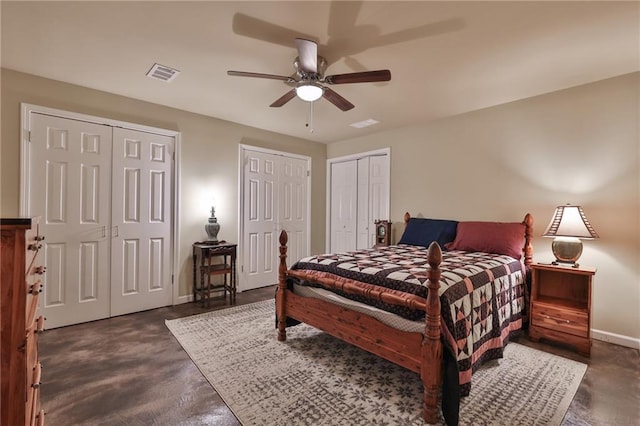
(310, 123)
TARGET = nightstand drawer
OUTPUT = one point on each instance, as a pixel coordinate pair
(560, 319)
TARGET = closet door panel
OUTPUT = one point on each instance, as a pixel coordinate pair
(70, 188)
(293, 206)
(260, 221)
(344, 198)
(141, 221)
(364, 222)
(379, 187)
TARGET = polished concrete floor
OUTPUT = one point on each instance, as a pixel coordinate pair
(130, 370)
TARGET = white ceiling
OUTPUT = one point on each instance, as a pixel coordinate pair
(445, 58)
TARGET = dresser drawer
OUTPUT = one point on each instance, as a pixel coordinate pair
(560, 319)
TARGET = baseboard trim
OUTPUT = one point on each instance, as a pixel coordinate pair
(616, 339)
(184, 299)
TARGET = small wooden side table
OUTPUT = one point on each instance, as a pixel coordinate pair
(561, 305)
(210, 260)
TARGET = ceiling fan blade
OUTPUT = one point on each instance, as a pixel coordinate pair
(284, 98)
(258, 29)
(359, 77)
(337, 100)
(259, 75)
(308, 55)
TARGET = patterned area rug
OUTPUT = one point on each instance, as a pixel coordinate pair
(315, 379)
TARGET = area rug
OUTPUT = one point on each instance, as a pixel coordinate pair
(316, 379)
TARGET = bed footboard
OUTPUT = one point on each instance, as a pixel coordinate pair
(421, 353)
(281, 293)
(431, 372)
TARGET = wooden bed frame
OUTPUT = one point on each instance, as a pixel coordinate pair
(419, 352)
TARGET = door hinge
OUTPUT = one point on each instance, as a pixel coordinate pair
(171, 279)
(308, 173)
(29, 135)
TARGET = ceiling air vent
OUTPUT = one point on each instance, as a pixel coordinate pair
(365, 123)
(162, 72)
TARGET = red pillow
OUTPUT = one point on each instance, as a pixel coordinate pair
(490, 237)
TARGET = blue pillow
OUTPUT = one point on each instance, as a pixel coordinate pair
(422, 232)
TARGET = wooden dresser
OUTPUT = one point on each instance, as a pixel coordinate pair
(21, 272)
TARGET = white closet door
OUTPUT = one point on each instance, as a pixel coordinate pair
(260, 220)
(274, 195)
(344, 197)
(293, 206)
(70, 188)
(359, 194)
(141, 221)
(364, 221)
(378, 191)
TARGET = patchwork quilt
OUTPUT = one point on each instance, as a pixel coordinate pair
(482, 294)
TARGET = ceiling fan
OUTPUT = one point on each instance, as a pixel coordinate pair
(309, 81)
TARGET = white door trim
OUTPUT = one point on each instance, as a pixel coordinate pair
(241, 151)
(330, 161)
(27, 109)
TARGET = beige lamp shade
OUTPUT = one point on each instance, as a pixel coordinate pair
(569, 225)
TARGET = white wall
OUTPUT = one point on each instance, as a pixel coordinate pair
(578, 145)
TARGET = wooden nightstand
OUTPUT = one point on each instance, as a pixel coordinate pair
(205, 266)
(561, 305)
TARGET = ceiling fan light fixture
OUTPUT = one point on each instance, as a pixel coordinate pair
(309, 92)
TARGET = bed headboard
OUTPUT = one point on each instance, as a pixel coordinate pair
(527, 250)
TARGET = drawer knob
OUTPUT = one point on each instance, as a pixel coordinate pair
(40, 270)
(36, 288)
(34, 247)
(40, 418)
(37, 374)
(40, 238)
(40, 324)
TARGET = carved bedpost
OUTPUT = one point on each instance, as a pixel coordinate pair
(431, 369)
(528, 235)
(281, 311)
(407, 216)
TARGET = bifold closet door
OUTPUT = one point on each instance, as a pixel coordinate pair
(105, 195)
(141, 221)
(274, 199)
(359, 196)
(344, 206)
(260, 220)
(292, 213)
(70, 188)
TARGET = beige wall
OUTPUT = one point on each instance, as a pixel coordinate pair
(209, 156)
(579, 145)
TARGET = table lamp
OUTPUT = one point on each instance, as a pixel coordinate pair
(569, 225)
